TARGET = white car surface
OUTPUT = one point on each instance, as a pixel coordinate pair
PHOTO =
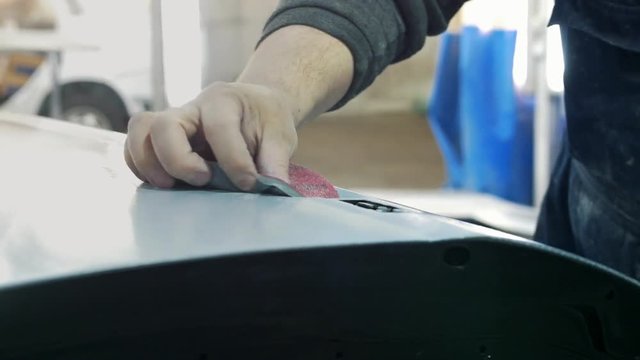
(96, 265)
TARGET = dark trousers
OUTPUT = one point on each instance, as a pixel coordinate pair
(592, 207)
(582, 215)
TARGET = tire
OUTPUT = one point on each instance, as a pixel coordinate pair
(91, 104)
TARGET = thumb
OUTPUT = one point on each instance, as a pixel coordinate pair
(274, 153)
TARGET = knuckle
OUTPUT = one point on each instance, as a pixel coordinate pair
(217, 89)
(162, 120)
(143, 118)
(160, 123)
(219, 123)
(219, 85)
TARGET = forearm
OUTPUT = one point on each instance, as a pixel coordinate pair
(311, 69)
(315, 55)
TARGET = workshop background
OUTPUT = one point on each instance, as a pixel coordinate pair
(418, 135)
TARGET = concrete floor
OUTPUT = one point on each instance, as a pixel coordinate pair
(381, 151)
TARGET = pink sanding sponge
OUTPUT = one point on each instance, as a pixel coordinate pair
(309, 183)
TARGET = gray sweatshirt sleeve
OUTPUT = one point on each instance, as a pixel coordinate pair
(377, 32)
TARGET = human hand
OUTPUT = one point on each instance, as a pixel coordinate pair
(248, 129)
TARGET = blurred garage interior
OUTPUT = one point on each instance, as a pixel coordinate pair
(70, 60)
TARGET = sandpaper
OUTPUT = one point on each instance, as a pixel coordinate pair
(303, 183)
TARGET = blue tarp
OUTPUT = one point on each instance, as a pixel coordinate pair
(483, 127)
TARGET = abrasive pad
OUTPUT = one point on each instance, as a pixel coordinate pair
(309, 183)
(303, 182)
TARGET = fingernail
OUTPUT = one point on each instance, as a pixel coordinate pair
(162, 182)
(201, 177)
(246, 182)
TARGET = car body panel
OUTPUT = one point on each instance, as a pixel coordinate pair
(95, 264)
(70, 205)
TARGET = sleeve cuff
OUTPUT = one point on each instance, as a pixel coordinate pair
(339, 28)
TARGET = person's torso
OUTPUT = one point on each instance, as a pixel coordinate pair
(601, 40)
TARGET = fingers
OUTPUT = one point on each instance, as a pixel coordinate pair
(275, 152)
(158, 149)
(222, 128)
(174, 152)
(243, 127)
(140, 155)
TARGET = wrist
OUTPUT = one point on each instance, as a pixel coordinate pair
(309, 69)
(298, 105)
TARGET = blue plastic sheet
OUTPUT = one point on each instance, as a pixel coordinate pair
(483, 127)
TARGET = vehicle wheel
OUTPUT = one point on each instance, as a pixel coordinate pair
(91, 104)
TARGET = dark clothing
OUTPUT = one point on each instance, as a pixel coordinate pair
(592, 207)
(601, 39)
(580, 216)
(377, 32)
(593, 204)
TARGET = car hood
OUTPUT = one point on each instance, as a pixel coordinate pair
(70, 206)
